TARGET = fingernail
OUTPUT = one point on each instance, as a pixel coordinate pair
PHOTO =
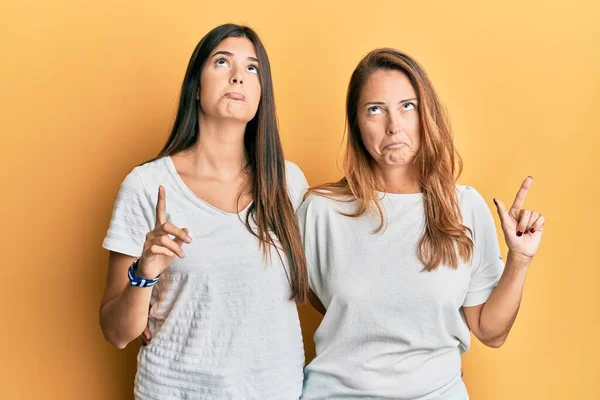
(532, 230)
(531, 176)
(188, 239)
(519, 233)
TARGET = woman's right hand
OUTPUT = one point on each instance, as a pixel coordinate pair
(159, 249)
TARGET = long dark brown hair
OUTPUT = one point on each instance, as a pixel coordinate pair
(271, 208)
(438, 163)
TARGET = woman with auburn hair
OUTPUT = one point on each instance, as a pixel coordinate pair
(402, 261)
(206, 237)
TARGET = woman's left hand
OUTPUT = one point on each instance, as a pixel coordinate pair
(522, 228)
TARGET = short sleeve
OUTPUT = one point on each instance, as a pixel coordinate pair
(296, 184)
(132, 218)
(487, 264)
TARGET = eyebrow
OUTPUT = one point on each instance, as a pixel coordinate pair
(230, 54)
(381, 103)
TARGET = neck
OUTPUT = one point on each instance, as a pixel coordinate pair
(398, 179)
(220, 150)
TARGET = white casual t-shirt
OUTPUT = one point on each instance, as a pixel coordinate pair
(392, 330)
(222, 325)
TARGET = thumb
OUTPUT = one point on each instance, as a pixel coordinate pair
(502, 213)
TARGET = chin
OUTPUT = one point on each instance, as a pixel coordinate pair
(398, 160)
(240, 116)
(242, 119)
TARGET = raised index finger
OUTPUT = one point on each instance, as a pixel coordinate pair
(161, 207)
(521, 194)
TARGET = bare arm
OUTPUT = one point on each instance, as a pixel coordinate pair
(124, 308)
(491, 322)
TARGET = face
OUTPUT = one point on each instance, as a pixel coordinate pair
(388, 118)
(230, 86)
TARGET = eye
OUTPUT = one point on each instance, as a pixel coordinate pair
(253, 69)
(375, 110)
(221, 62)
(409, 106)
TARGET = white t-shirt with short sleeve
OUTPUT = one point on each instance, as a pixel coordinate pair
(222, 325)
(392, 330)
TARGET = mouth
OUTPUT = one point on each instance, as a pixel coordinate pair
(235, 96)
(396, 145)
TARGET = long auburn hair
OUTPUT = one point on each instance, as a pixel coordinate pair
(271, 209)
(438, 164)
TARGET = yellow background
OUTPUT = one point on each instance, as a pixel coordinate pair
(88, 90)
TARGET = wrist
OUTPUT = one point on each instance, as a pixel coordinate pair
(518, 260)
(137, 279)
(142, 270)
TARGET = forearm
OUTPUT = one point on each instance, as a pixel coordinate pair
(500, 311)
(124, 318)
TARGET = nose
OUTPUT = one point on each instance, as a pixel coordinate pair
(236, 76)
(394, 125)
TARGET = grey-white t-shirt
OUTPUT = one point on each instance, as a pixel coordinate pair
(392, 330)
(222, 325)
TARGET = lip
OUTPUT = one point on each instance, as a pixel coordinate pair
(395, 145)
(236, 96)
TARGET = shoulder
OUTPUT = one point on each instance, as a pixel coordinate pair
(153, 170)
(296, 183)
(324, 203)
(472, 204)
(294, 174)
(468, 196)
(150, 175)
(318, 201)
(143, 181)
